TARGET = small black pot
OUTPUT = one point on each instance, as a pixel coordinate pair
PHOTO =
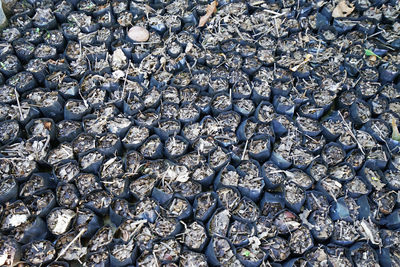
(119, 244)
(378, 128)
(212, 158)
(38, 68)
(36, 183)
(388, 72)
(47, 250)
(10, 130)
(75, 114)
(211, 252)
(263, 155)
(98, 259)
(361, 251)
(279, 161)
(184, 214)
(282, 108)
(68, 88)
(170, 154)
(12, 190)
(66, 171)
(144, 191)
(358, 117)
(83, 143)
(36, 231)
(281, 129)
(54, 111)
(252, 193)
(271, 204)
(323, 225)
(372, 175)
(128, 145)
(330, 150)
(60, 227)
(93, 167)
(249, 205)
(157, 153)
(33, 202)
(210, 210)
(58, 264)
(315, 126)
(67, 130)
(67, 195)
(218, 182)
(24, 50)
(33, 35)
(340, 211)
(50, 52)
(109, 145)
(244, 126)
(56, 39)
(295, 206)
(164, 134)
(21, 21)
(62, 10)
(387, 256)
(89, 219)
(90, 198)
(310, 110)
(120, 210)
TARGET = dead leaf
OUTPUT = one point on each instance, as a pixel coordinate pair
(47, 125)
(189, 46)
(211, 9)
(118, 74)
(342, 10)
(119, 57)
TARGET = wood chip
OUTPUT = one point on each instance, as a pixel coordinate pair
(211, 9)
(342, 10)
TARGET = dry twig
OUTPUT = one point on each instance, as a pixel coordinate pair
(70, 243)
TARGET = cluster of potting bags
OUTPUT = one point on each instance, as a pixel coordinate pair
(200, 133)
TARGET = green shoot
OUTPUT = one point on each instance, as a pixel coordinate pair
(375, 178)
(371, 53)
(246, 253)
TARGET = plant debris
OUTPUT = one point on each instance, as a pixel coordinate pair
(210, 10)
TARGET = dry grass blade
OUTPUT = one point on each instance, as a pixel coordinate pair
(395, 131)
(351, 133)
(211, 9)
(18, 103)
(307, 59)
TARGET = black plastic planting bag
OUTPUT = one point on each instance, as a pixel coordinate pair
(214, 251)
(36, 231)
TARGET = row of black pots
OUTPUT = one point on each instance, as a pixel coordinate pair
(347, 256)
(87, 145)
(294, 195)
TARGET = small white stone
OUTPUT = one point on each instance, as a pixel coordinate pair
(139, 34)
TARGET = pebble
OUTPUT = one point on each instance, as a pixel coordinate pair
(138, 34)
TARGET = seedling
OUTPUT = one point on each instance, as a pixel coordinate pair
(371, 53)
